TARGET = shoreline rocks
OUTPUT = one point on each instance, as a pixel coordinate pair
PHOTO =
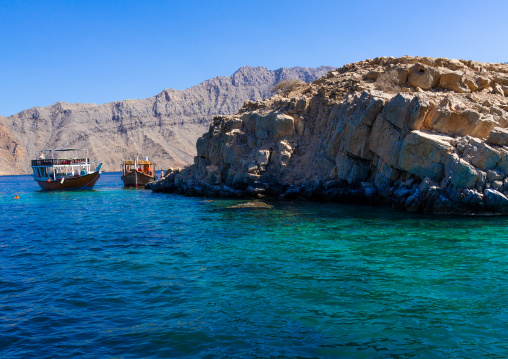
(421, 134)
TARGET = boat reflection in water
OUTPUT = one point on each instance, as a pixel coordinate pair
(65, 169)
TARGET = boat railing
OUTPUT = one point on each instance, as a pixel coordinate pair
(59, 161)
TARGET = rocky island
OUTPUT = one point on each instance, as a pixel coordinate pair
(416, 133)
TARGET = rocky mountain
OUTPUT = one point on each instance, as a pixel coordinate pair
(164, 127)
(12, 152)
(422, 134)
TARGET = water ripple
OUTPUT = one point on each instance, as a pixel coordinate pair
(118, 273)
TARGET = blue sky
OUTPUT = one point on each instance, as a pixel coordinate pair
(102, 51)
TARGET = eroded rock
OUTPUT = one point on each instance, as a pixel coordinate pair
(420, 134)
(498, 137)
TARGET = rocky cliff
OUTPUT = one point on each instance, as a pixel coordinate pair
(423, 134)
(12, 152)
(164, 127)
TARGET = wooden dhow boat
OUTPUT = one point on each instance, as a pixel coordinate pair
(138, 173)
(65, 169)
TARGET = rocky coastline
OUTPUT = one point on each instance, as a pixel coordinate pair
(421, 134)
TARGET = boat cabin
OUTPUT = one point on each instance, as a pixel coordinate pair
(143, 166)
(62, 163)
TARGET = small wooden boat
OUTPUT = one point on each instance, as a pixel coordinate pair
(62, 171)
(138, 173)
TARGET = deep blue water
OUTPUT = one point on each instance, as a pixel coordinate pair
(125, 273)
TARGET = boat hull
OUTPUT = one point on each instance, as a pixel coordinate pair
(73, 183)
(136, 179)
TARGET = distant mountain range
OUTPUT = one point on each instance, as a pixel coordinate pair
(164, 127)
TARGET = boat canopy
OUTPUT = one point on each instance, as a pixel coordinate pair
(81, 153)
(67, 149)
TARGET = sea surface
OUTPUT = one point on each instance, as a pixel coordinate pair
(125, 273)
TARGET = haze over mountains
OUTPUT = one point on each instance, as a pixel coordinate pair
(164, 127)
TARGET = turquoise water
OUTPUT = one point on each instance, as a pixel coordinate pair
(123, 273)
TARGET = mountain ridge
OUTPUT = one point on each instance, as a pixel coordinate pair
(164, 126)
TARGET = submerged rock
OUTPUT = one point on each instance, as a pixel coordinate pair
(253, 205)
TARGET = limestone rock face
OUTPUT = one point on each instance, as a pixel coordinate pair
(164, 127)
(423, 134)
(423, 154)
(498, 137)
(452, 80)
(462, 174)
(422, 76)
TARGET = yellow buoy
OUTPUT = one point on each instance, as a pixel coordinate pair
(16, 197)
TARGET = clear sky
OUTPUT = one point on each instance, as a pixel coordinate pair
(102, 51)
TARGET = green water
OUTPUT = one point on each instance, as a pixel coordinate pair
(130, 274)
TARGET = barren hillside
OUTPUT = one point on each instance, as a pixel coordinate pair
(164, 127)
